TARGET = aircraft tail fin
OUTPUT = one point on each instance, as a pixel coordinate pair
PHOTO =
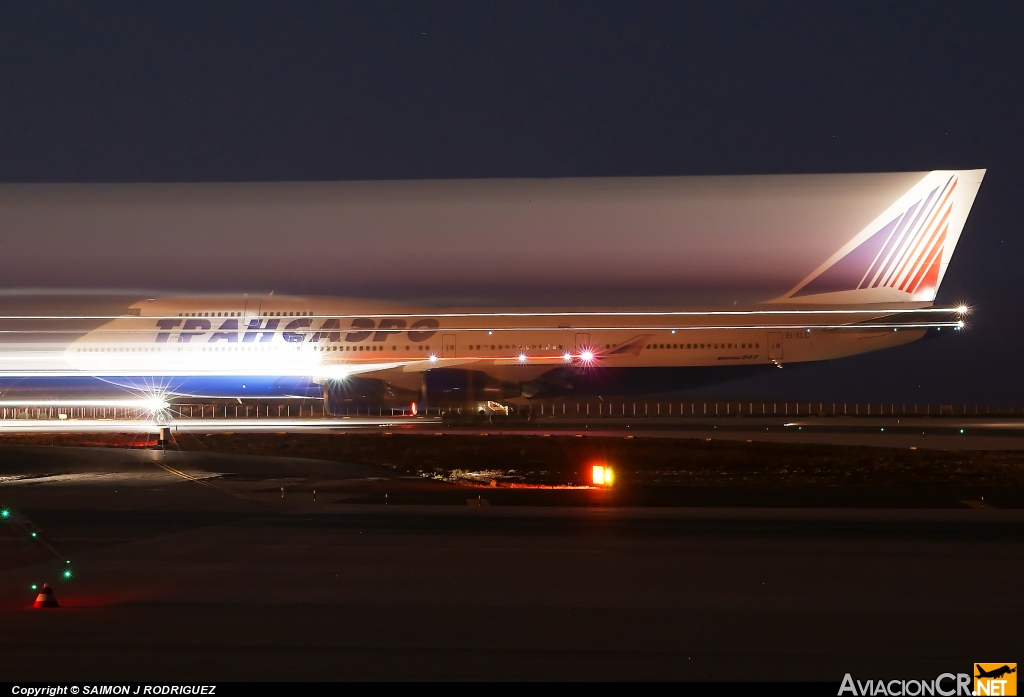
(902, 255)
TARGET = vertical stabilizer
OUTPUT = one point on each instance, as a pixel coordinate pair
(902, 255)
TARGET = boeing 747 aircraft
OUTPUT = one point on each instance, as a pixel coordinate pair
(875, 291)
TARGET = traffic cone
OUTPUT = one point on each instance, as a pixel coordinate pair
(45, 598)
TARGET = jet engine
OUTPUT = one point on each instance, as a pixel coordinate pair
(453, 386)
(356, 395)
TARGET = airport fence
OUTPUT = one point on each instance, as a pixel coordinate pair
(546, 409)
(627, 408)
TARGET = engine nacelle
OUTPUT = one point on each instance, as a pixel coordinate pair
(444, 386)
(356, 395)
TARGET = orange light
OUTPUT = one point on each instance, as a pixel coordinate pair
(603, 476)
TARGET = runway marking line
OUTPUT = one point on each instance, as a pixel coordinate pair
(188, 477)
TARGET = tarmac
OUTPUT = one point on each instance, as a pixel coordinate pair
(934, 432)
(199, 566)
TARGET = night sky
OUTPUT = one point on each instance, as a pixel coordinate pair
(221, 93)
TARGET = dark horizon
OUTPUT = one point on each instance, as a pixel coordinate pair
(392, 91)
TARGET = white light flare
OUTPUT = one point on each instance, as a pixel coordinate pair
(150, 403)
(433, 358)
(156, 404)
(567, 357)
(522, 358)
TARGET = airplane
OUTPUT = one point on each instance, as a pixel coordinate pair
(876, 291)
(995, 672)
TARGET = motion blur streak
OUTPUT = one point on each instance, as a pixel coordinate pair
(875, 290)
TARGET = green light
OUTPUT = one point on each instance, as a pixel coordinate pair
(33, 534)
(882, 430)
(5, 513)
(67, 574)
(961, 430)
(34, 586)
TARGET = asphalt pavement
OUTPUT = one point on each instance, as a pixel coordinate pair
(216, 567)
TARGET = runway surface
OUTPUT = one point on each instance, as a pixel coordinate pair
(936, 433)
(194, 567)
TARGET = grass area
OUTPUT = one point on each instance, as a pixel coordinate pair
(568, 459)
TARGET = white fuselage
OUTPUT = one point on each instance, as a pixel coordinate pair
(322, 337)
